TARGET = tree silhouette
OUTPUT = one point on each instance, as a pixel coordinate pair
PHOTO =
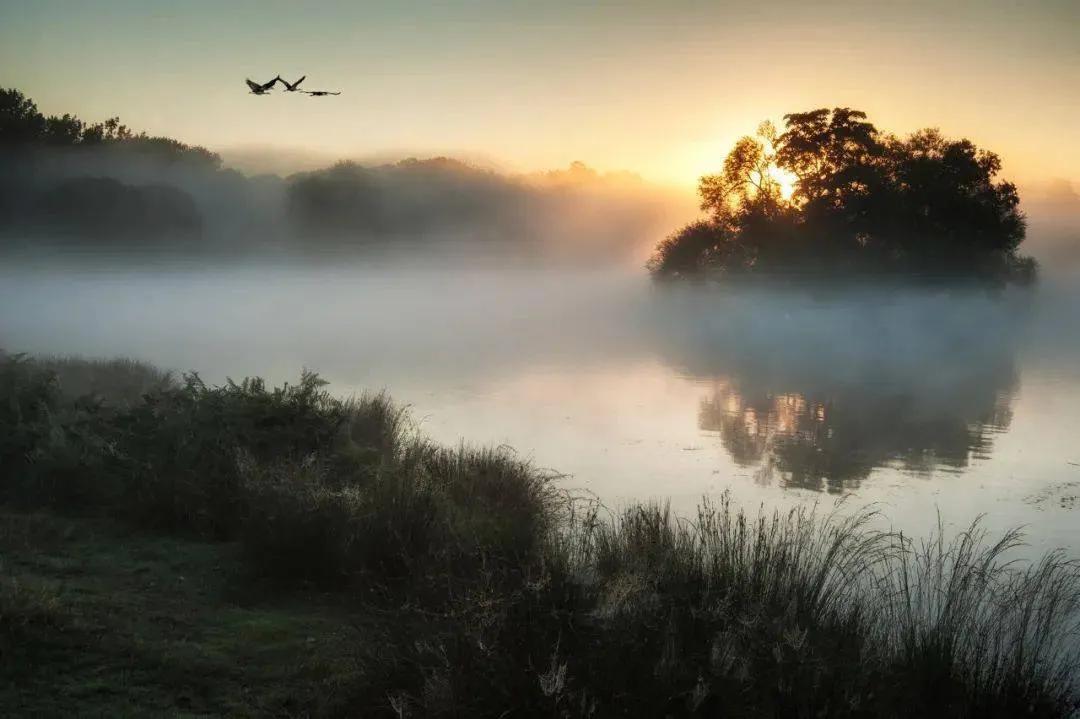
(55, 176)
(20, 121)
(863, 202)
(24, 128)
(745, 186)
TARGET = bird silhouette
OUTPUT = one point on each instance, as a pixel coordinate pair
(293, 87)
(257, 89)
(320, 93)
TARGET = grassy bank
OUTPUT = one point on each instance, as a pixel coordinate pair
(172, 547)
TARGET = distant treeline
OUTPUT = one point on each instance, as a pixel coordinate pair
(832, 195)
(40, 186)
(577, 210)
(62, 178)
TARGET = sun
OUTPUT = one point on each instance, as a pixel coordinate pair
(785, 179)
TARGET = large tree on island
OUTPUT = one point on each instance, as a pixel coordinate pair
(862, 202)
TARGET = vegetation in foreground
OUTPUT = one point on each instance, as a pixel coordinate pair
(833, 196)
(168, 547)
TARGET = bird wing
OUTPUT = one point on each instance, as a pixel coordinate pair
(270, 84)
(297, 83)
(254, 85)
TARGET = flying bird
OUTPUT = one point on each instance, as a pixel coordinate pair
(320, 93)
(257, 89)
(293, 87)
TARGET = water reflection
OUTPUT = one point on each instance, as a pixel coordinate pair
(833, 441)
(792, 396)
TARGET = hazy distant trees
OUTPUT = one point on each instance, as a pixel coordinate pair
(577, 213)
(54, 176)
(437, 196)
(62, 177)
(105, 208)
(861, 202)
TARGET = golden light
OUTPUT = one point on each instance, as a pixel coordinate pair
(785, 179)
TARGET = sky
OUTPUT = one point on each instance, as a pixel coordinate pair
(659, 88)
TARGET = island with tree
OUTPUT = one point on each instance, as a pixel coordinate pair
(833, 196)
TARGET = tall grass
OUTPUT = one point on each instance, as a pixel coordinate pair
(805, 614)
(974, 628)
(538, 605)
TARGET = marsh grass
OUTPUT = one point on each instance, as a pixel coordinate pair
(802, 613)
(837, 617)
(972, 627)
(533, 601)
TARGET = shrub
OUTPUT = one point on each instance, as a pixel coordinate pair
(27, 395)
(431, 518)
(185, 444)
(296, 529)
(119, 381)
(53, 451)
(497, 508)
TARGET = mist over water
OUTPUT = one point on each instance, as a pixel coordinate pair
(963, 400)
(514, 310)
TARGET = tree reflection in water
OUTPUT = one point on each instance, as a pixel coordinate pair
(819, 396)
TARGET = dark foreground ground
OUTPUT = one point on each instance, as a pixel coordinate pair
(100, 620)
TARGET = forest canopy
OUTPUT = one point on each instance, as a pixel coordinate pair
(832, 195)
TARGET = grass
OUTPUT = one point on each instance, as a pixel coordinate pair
(99, 620)
(174, 548)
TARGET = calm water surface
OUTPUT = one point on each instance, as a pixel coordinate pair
(924, 402)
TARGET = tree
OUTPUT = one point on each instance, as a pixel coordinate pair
(20, 121)
(863, 202)
(109, 131)
(64, 131)
(952, 207)
(835, 154)
(685, 252)
(22, 126)
(746, 185)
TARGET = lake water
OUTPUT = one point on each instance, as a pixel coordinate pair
(922, 402)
